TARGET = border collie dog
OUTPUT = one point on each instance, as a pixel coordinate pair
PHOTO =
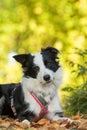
(36, 96)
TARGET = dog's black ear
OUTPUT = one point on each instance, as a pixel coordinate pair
(50, 50)
(22, 58)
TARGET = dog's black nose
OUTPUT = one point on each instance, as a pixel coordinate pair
(46, 77)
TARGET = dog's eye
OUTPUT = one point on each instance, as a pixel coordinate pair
(36, 68)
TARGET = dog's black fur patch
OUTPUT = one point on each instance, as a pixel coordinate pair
(49, 58)
(27, 63)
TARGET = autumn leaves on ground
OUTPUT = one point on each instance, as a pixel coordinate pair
(78, 123)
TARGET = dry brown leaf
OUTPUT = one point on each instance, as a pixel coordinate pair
(43, 128)
(43, 124)
(18, 128)
(40, 123)
(51, 125)
(55, 124)
(43, 121)
(20, 124)
(76, 117)
(32, 128)
(52, 128)
(61, 128)
(82, 125)
(5, 125)
(56, 128)
(69, 124)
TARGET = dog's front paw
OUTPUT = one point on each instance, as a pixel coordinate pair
(26, 122)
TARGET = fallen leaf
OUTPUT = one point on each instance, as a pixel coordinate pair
(43, 121)
(43, 128)
(82, 125)
(20, 124)
(5, 125)
(76, 117)
(43, 124)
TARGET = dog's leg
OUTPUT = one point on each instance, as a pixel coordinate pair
(54, 109)
(26, 116)
(22, 108)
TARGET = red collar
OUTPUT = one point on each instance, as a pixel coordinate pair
(43, 109)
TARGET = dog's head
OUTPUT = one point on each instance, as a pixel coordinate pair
(42, 66)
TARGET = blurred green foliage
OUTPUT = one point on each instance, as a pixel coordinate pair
(28, 25)
(76, 100)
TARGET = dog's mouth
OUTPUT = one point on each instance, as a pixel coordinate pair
(47, 82)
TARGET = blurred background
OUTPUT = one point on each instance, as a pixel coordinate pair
(26, 26)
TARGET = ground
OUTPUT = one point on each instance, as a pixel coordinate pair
(78, 123)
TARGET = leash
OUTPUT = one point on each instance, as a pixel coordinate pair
(43, 108)
(12, 103)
